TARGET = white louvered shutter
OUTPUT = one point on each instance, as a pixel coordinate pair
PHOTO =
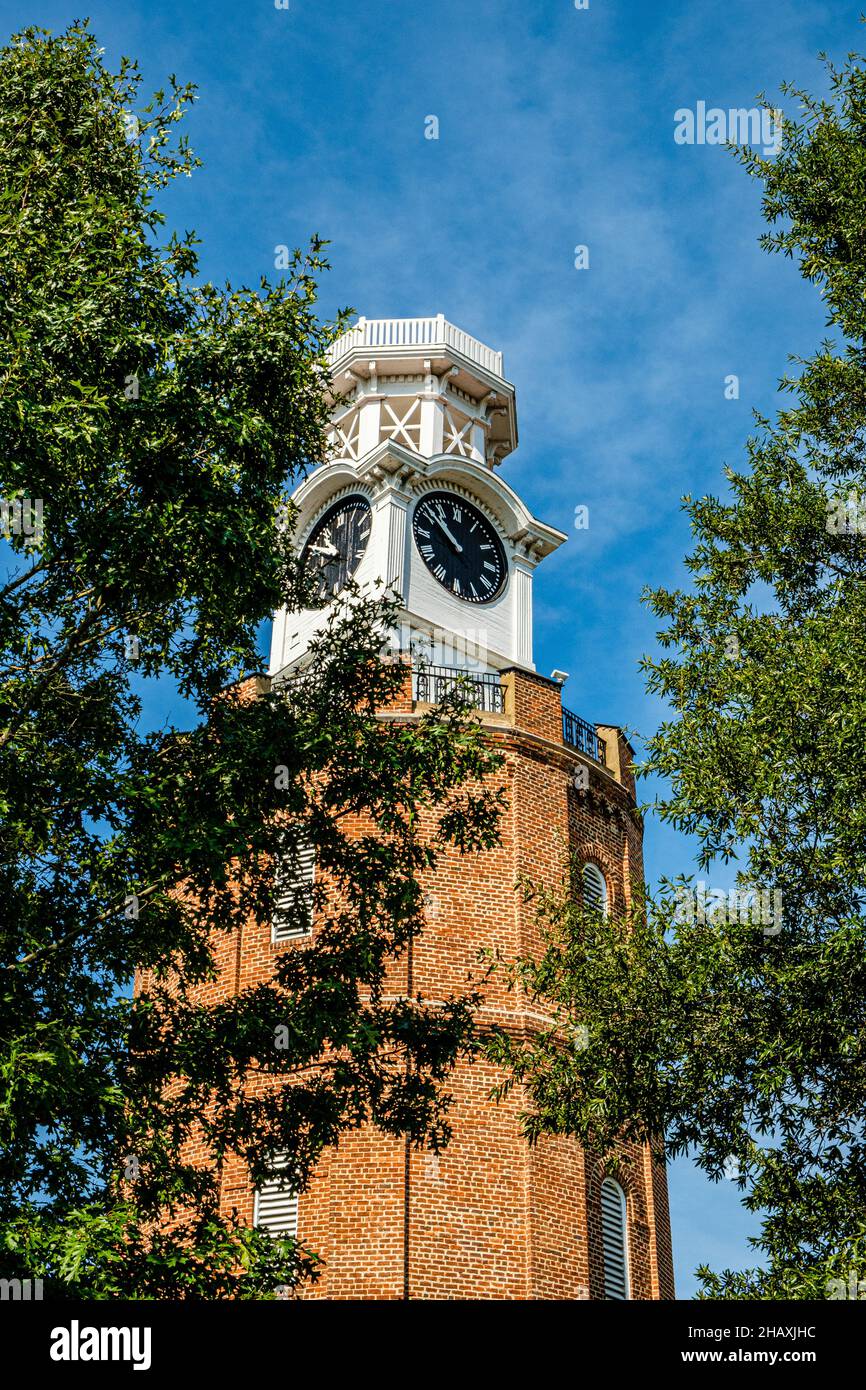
(276, 1209)
(293, 906)
(594, 889)
(614, 1240)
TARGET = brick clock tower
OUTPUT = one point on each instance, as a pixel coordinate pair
(413, 494)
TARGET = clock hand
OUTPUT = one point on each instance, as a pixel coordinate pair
(324, 550)
(456, 544)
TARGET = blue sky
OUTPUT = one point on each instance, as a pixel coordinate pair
(555, 130)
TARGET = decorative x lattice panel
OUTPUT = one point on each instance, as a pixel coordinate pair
(404, 429)
(457, 432)
(344, 436)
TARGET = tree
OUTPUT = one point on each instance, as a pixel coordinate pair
(151, 426)
(737, 1029)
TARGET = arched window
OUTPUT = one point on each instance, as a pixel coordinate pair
(276, 1207)
(594, 889)
(614, 1236)
(293, 905)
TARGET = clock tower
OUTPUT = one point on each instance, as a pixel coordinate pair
(413, 498)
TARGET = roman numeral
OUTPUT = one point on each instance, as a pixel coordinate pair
(488, 566)
(427, 551)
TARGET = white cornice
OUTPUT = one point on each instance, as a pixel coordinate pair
(391, 466)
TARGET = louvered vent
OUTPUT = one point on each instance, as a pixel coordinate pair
(614, 1240)
(293, 907)
(594, 889)
(276, 1209)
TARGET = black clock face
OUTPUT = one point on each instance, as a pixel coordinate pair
(460, 547)
(336, 546)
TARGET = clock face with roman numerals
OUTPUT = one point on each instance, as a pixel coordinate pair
(460, 547)
(336, 546)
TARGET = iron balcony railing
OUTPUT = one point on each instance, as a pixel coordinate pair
(430, 684)
(579, 734)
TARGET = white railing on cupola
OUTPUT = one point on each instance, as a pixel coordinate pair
(422, 333)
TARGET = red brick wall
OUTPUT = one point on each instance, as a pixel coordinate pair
(489, 1218)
